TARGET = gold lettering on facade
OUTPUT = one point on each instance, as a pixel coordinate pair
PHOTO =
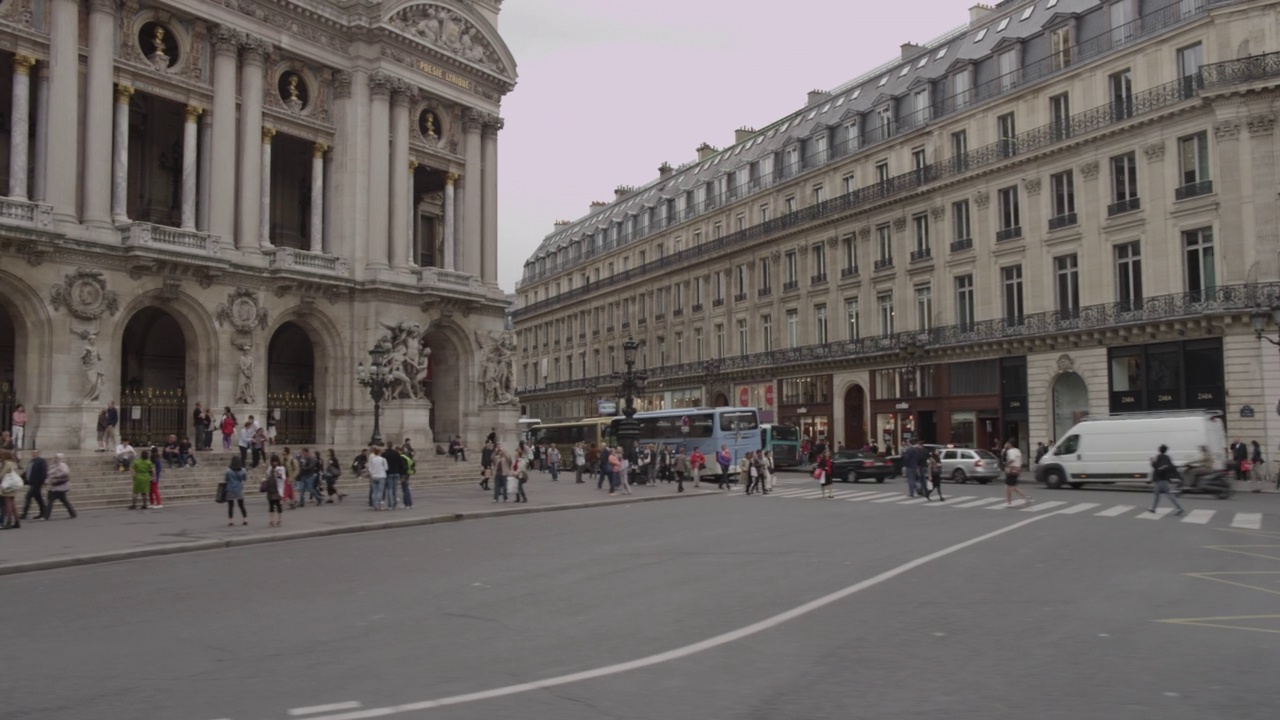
(445, 75)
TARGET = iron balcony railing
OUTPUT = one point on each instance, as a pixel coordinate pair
(961, 245)
(1124, 206)
(921, 254)
(1061, 221)
(1161, 308)
(1195, 189)
(1011, 233)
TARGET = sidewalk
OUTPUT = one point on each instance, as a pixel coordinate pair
(110, 535)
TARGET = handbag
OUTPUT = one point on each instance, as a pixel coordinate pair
(817, 473)
(12, 482)
(262, 486)
(221, 495)
(1245, 466)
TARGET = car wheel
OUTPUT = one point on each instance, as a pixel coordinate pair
(1225, 494)
(851, 477)
(1076, 485)
(1055, 479)
(959, 477)
(879, 479)
(984, 481)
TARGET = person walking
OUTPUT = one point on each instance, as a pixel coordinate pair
(501, 471)
(681, 467)
(825, 470)
(1012, 469)
(724, 460)
(309, 471)
(153, 491)
(332, 471)
(10, 483)
(768, 471)
(1162, 471)
(579, 462)
(697, 463)
(59, 486)
(274, 486)
(521, 469)
(1239, 456)
(605, 469)
(37, 473)
(143, 472)
(486, 464)
(912, 459)
(1258, 467)
(19, 426)
(553, 462)
(377, 479)
(934, 483)
(619, 469)
(753, 474)
(228, 427)
(234, 478)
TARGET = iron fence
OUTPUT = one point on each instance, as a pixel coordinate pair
(294, 417)
(148, 416)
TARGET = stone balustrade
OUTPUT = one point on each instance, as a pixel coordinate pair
(148, 235)
(285, 258)
(26, 214)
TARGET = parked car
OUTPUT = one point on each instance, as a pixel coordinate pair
(854, 465)
(965, 464)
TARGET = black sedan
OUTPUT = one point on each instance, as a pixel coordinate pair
(854, 465)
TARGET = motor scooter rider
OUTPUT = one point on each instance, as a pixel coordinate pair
(1199, 468)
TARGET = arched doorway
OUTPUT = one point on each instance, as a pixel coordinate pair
(719, 399)
(291, 397)
(446, 383)
(8, 366)
(1070, 402)
(855, 417)
(153, 378)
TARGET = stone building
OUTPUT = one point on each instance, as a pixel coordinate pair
(232, 202)
(1063, 207)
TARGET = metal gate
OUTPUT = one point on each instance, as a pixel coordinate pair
(7, 401)
(294, 417)
(149, 416)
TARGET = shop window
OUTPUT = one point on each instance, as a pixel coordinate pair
(981, 377)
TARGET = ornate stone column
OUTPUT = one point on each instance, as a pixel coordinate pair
(317, 196)
(489, 244)
(120, 160)
(222, 198)
(190, 150)
(40, 175)
(97, 192)
(469, 248)
(400, 187)
(252, 192)
(264, 197)
(204, 179)
(449, 239)
(379, 168)
(64, 107)
(411, 217)
(19, 126)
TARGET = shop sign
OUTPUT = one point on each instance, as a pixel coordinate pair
(768, 395)
(802, 411)
(1246, 411)
(744, 396)
(605, 408)
(904, 405)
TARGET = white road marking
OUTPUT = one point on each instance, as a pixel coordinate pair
(317, 709)
(1077, 508)
(951, 501)
(682, 652)
(864, 495)
(875, 496)
(1159, 513)
(1038, 507)
(1198, 517)
(789, 493)
(1114, 511)
(1248, 521)
(893, 497)
(977, 503)
(914, 501)
(1019, 503)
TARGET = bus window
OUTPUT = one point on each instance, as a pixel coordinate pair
(740, 420)
(786, 433)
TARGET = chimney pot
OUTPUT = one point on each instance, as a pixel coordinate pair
(665, 171)
(743, 134)
(705, 150)
(817, 96)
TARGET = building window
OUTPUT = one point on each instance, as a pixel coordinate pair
(678, 297)
(697, 241)
(960, 149)
(1189, 61)
(719, 340)
(766, 326)
(1201, 269)
(851, 138)
(962, 238)
(964, 303)
(717, 231)
(613, 365)
(884, 246)
(1121, 95)
(793, 329)
(819, 262)
(1060, 44)
(1012, 279)
(1007, 128)
(849, 184)
(719, 287)
(884, 120)
(1010, 217)
(921, 225)
(697, 293)
(740, 282)
(818, 195)
(791, 269)
(1007, 66)
(849, 248)
(852, 325)
(1193, 164)
(961, 84)
(1129, 276)
(924, 307)
(1060, 115)
(882, 171)
(820, 148)
(919, 162)
(764, 213)
(1066, 270)
(789, 204)
(766, 277)
(1124, 184)
(1122, 16)
(885, 301)
(1063, 187)
(698, 348)
(820, 320)
(923, 110)
(743, 348)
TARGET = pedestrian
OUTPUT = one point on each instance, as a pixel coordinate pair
(234, 479)
(823, 473)
(246, 440)
(1257, 470)
(1012, 469)
(1041, 451)
(724, 460)
(553, 462)
(197, 427)
(143, 471)
(697, 463)
(407, 449)
(102, 431)
(153, 490)
(934, 483)
(410, 469)
(113, 422)
(258, 445)
(486, 464)
(501, 470)
(332, 471)
(1162, 471)
(37, 473)
(395, 471)
(274, 487)
(768, 471)
(681, 467)
(19, 426)
(605, 469)
(912, 460)
(292, 493)
(228, 427)
(377, 478)
(1239, 456)
(309, 470)
(619, 468)
(10, 484)
(186, 457)
(59, 486)
(521, 469)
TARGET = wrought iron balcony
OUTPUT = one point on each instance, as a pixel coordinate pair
(1061, 221)
(884, 264)
(818, 279)
(740, 297)
(790, 285)
(582, 336)
(659, 317)
(765, 291)
(1012, 233)
(1124, 206)
(608, 328)
(718, 302)
(921, 254)
(678, 312)
(961, 245)
(626, 324)
(1196, 189)
(697, 307)
(848, 272)
(642, 321)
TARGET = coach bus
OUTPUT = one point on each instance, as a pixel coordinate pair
(784, 442)
(706, 429)
(564, 435)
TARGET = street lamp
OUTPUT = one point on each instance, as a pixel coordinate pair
(1259, 318)
(376, 378)
(631, 383)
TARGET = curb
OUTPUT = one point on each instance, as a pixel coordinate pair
(203, 545)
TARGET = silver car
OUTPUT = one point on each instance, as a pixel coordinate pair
(963, 464)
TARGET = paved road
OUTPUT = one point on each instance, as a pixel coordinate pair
(1029, 614)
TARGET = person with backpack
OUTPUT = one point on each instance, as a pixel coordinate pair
(1162, 471)
(408, 465)
(724, 459)
(274, 486)
(332, 471)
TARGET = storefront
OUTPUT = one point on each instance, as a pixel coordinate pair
(1014, 412)
(956, 403)
(806, 403)
(758, 395)
(1167, 376)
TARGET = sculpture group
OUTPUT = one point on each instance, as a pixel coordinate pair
(407, 360)
(497, 367)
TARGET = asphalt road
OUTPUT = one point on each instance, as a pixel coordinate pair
(945, 612)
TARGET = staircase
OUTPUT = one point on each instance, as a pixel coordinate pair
(96, 483)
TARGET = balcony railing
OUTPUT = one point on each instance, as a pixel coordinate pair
(848, 272)
(740, 297)
(696, 307)
(1061, 221)
(765, 291)
(884, 264)
(1163, 308)
(626, 324)
(1012, 233)
(642, 321)
(608, 328)
(961, 245)
(1191, 190)
(790, 285)
(659, 317)
(921, 254)
(1153, 100)
(26, 214)
(1124, 206)
(818, 279)
(718, 302)
(161, 237)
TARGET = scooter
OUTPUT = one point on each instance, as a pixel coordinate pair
(1215, 482)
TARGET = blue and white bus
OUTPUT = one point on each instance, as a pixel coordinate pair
(705, 429)
(784, 442)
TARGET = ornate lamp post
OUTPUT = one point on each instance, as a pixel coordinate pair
(1259, 318)
(631, 383)
(376, 378)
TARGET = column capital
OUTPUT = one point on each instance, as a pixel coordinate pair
(225, 39)
(123, 93)
(267, 134)
(22, 64)
(492, 124)
(193, 113)
(450, 178)
(472, 120)
(103, 6)
(342, 84)
(255, 49)
(402, 92)
(413, 165)
(318, 150)
(380, 84)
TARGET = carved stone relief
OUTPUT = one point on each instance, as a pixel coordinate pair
(1154, 151)
(243, 311)
(1032, 186)
(981, 199)
(1226, 130)
(1089, 170)
(1263, 124)
(85, 295)
(449, 31)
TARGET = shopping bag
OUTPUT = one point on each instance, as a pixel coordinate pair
(221, 495)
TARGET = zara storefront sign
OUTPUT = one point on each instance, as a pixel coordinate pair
(903, 406)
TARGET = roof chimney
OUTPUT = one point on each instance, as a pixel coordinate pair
(622, 191)
(743, 134)
(665, 171)
(910, 50)
(817, 96)
(563, 223)
(596, 205)
(979, 13)
(705, 150)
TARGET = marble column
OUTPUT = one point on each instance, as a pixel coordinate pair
(489, 212)
(20, 126)
(120, 159)
(449, 181)
(222, 164)
(459, 223)
(40, 160)
(399, 180)
(249, 211)
(204, 172)
(469, 255)
(264, 197)
(97, 192)
(379, 168)
(411, 218)
(190, 155)
(64, 108)
(317, 196)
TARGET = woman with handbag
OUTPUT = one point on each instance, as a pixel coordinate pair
(274, 486)
(10, 485)
(823, 471)
(234, 479)
(521, 468)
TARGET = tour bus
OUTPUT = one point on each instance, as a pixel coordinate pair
(564, 435)
(526, 428)
(784, 442)
(703, 428)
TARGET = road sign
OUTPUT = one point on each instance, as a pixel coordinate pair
(684, 424)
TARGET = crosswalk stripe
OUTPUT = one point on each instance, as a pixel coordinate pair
(1199, 517)
(1016, 504)
(874, 496)
(951, 501)
(1038, 507)
(1077, 508)
(977, 503)
(1115, 510)
(1159, 513)
(863, 495)
(893, 497)
(807, 494)
(1247, 521)
(914, 501)
(789, 493)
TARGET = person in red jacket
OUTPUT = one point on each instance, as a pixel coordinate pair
(697, 463)
(828, 470)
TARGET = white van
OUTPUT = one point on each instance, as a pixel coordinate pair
(1119, 448)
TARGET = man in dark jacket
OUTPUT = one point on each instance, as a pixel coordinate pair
(396, 470)
(37, 473)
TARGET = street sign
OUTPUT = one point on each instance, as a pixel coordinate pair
(768, 395)
(606, 407)
(1246, 411)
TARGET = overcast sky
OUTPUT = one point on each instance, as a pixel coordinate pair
(610, 89)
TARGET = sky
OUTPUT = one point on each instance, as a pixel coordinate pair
(609, 90)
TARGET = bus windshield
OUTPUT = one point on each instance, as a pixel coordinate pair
(739, 420)
(785, 433)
